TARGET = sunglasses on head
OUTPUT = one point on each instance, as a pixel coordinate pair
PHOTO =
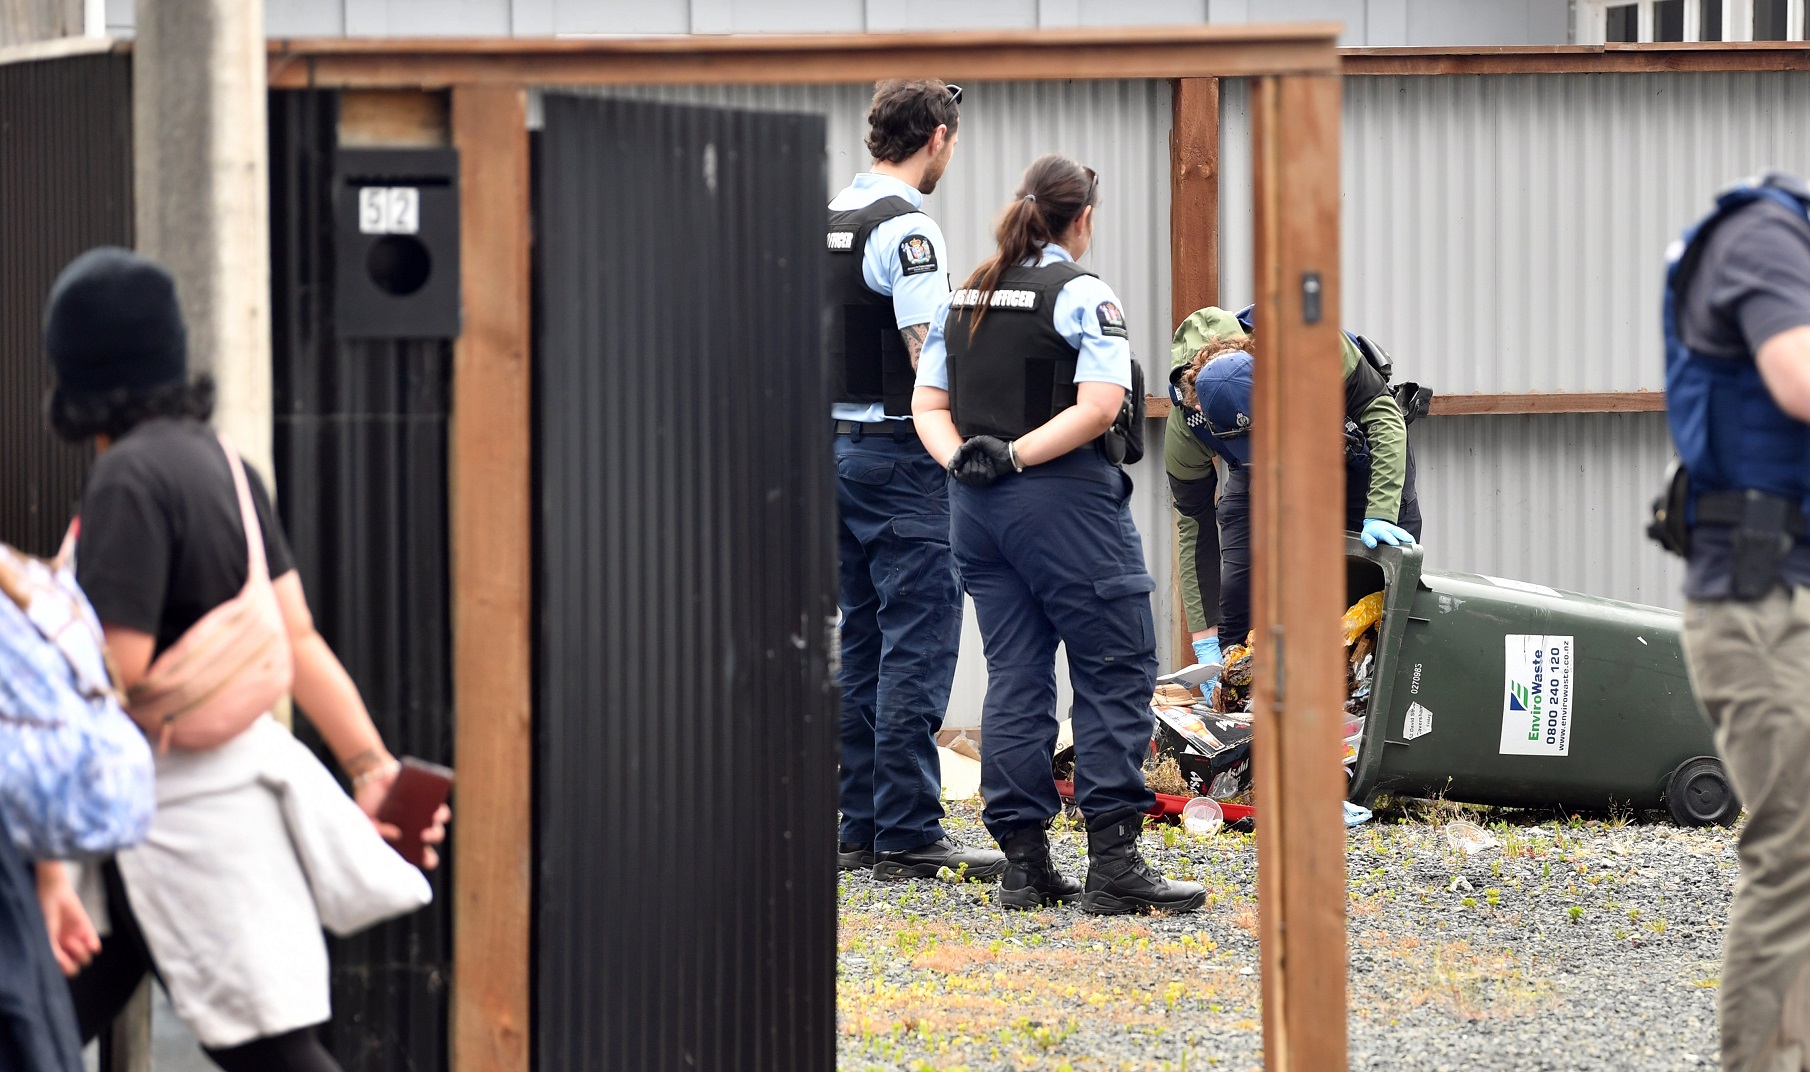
(955, 94)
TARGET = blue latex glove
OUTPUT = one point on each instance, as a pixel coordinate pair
(1378, 531)
(1206, 650)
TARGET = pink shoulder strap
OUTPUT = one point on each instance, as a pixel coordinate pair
(66, 553)
(248, 515)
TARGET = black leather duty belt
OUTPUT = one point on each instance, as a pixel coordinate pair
(1733, 508)
(875, 427)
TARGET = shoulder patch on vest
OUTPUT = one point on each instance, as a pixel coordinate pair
(916, 255)
(1112, 320)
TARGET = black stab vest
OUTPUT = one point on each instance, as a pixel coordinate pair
(1017, 371)
(868, 359)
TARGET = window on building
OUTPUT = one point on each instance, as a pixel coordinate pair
(1605, 21)
(1668, 20)
(1769, 20)
(1622, 23)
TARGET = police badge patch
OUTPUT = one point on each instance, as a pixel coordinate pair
(916, 255)
(1112, 320)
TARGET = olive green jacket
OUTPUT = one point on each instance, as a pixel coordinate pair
(1193, 480)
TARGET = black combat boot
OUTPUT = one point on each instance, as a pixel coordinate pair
(854, 855)
(1031, 880)
(1119, 882)
(926, 861)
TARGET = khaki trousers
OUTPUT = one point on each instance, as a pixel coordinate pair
(1750, 666)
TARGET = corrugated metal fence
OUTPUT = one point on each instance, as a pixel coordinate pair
(685, 578)
(1506, 233)
(65, 186)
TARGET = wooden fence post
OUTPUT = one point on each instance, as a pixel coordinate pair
(1193, 261)
(1298, 572)
(492, 474)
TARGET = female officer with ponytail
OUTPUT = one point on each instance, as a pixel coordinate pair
(1018, 385)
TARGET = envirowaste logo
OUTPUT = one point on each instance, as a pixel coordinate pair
(1536, 703)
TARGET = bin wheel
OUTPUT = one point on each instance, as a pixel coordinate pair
(1698, 793)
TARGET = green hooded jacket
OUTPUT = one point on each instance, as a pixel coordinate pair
(1193, 481)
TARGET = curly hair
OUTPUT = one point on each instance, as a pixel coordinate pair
(905, 113)
(1218, 347)
(81, 417)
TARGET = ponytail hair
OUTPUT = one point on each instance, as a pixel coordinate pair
(1051, 196)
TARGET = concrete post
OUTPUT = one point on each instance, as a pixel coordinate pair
(203, 193)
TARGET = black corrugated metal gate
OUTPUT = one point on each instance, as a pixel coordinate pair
(685, 782)
(361, 464)
(65, 186)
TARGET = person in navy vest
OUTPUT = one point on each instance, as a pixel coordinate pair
(1018, 393)
(900, 599)
(1737, 355)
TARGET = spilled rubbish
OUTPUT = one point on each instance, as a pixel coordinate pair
(1469, 838)
(1230, 696)
(1203, 816)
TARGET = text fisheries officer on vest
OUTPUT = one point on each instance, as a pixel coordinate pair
(901, 603)
(1737, 342)
(1022, 395)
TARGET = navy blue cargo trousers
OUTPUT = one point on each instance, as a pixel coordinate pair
(901, 627)
(1052, 555)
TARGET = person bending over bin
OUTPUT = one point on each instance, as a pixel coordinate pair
(1211, 360)
(1737, 395)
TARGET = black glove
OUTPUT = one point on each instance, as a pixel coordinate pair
(982, 460)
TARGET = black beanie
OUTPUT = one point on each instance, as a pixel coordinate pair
(112, 323)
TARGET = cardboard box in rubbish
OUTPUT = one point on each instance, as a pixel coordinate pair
(1212, 750)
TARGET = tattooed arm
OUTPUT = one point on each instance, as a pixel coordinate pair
(914, 340)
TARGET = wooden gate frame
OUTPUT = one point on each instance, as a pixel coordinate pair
(1297, 486)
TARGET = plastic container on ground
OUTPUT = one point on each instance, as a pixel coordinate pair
(1495, 691)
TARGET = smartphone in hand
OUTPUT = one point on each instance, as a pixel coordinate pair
(416, 794)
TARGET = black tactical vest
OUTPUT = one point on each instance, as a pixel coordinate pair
(1017, 371)
(868, 359)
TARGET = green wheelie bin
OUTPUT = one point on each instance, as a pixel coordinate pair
(1494, 691)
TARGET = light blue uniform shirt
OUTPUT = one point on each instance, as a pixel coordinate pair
(1102, 358)
(916, 298)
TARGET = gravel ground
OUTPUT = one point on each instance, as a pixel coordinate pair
(1574, 944)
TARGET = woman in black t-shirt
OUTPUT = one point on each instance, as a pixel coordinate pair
(162, 542)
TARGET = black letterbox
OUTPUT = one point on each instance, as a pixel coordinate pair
(397, 271)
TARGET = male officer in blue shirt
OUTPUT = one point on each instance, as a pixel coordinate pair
(901, 602)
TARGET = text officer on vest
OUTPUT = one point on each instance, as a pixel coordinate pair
(901, 603)
(1737, 356)
(1022, 395)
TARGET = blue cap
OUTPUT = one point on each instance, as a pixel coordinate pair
(1223, 387)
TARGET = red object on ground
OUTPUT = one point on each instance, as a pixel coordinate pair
(1169, 807)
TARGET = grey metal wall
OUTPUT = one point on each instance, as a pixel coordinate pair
(1121, 129)
(1559, 499)
(65, 186)
(1480, 207)
(1367, 22)
(361, 468)
(685, 715)
(1506, 234)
